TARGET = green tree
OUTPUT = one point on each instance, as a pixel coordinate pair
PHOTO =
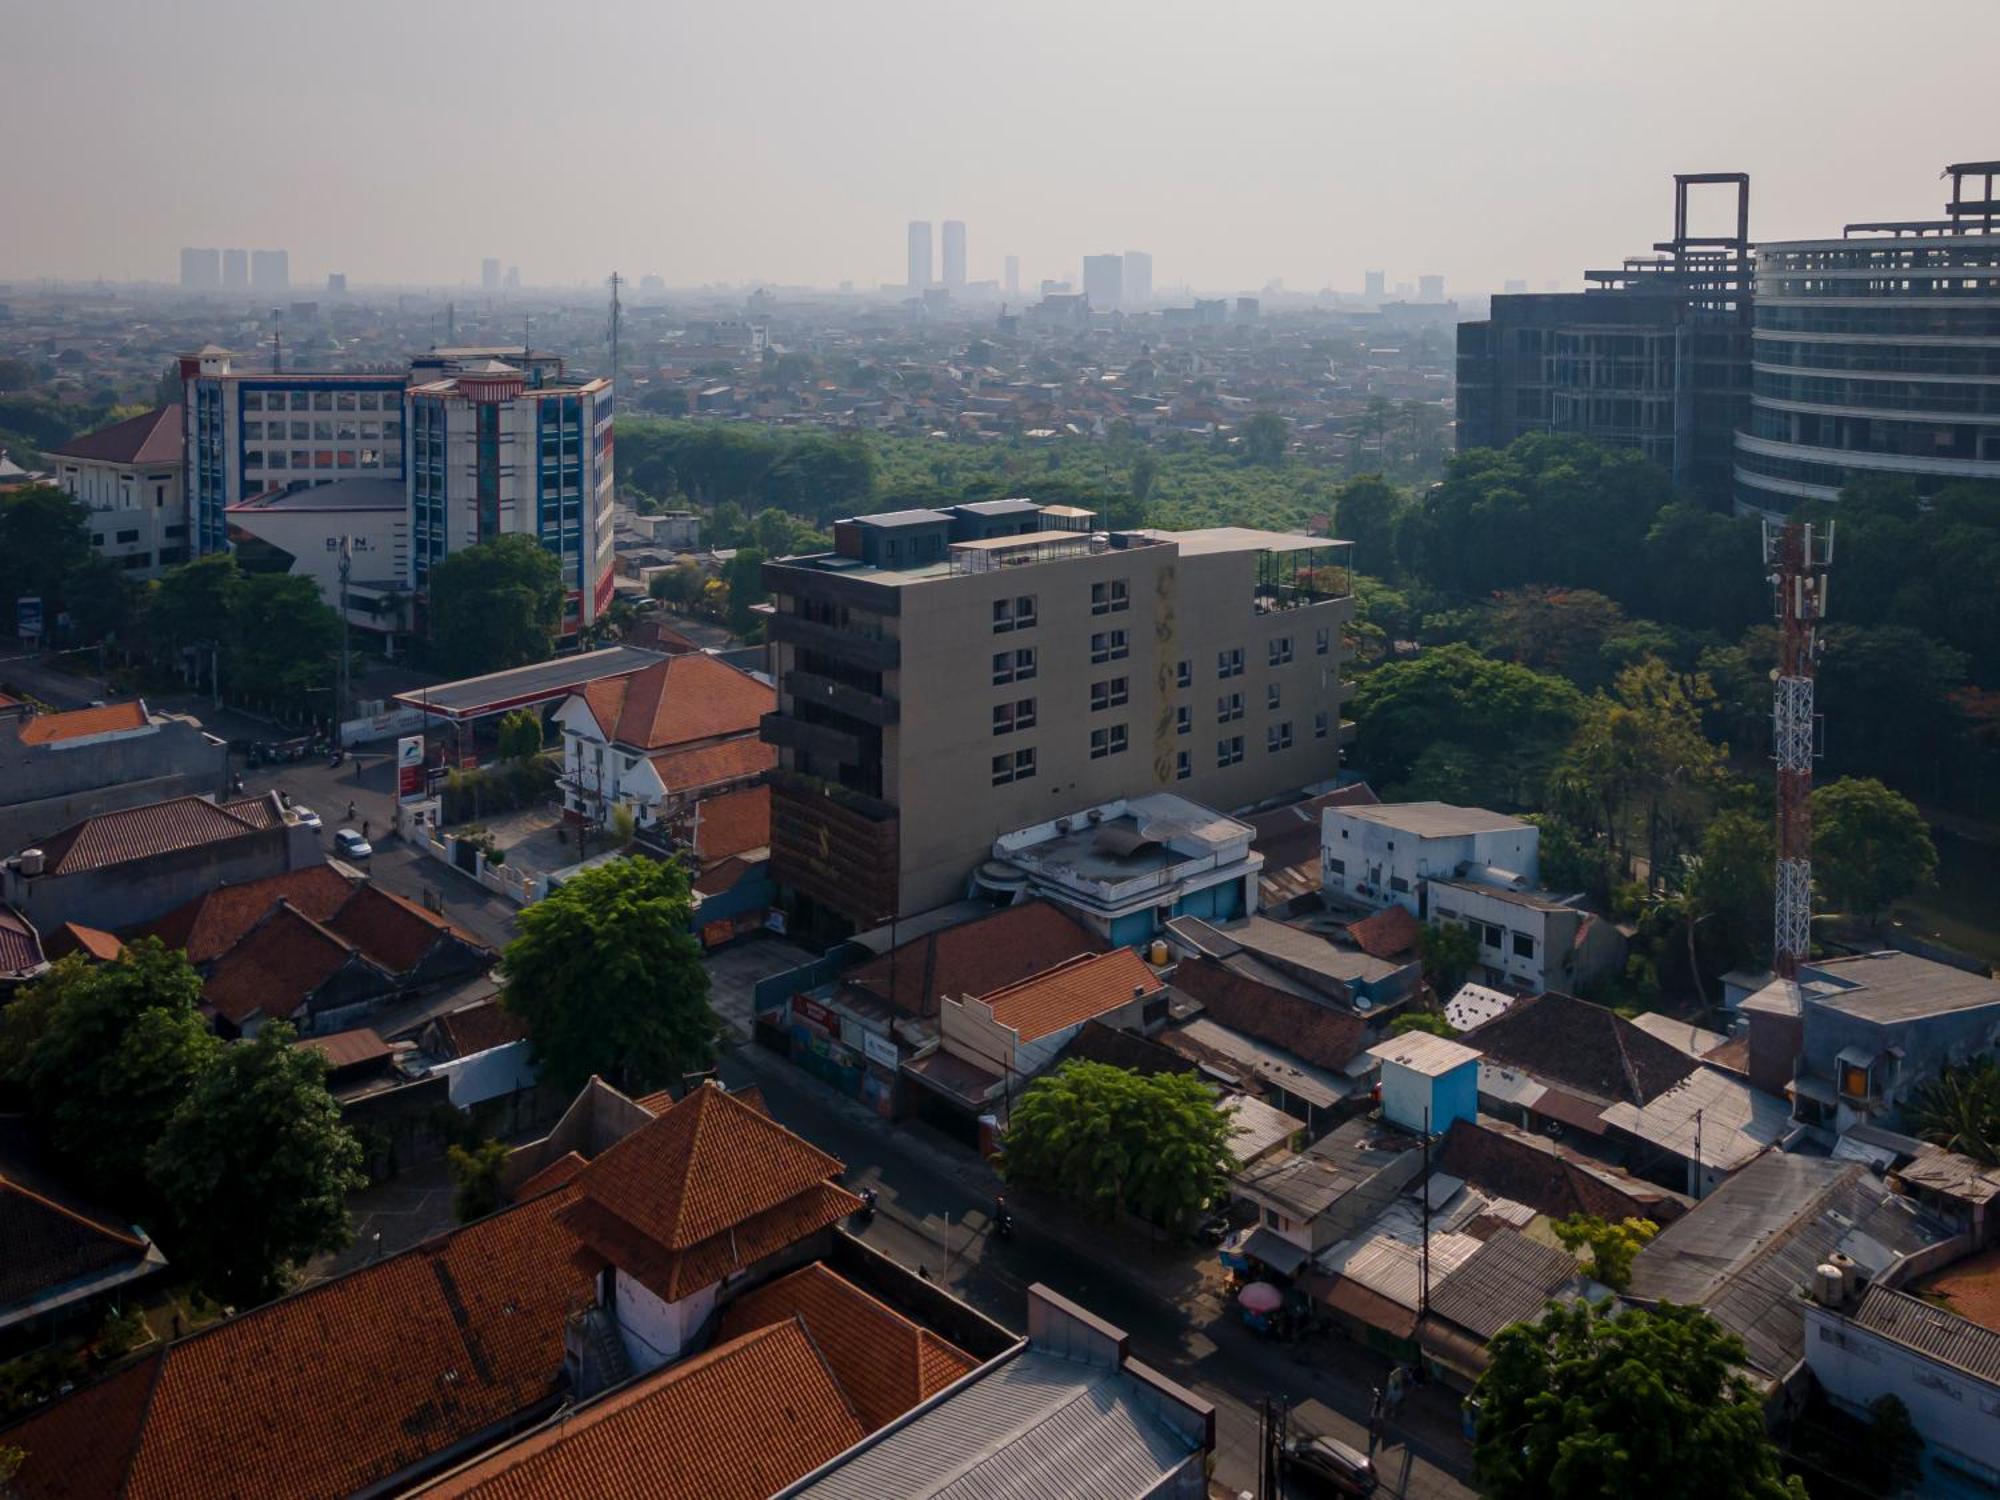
(1365, 511)
(475, 1174)
(1422, 1020)
(1555, 630)
(193, 603)
(1587, 1403)
(1612, 1246)
(1892, 1452)
(679, 584)
(1448, 951)
(1517, 720)
(609, 978)
(1145, 474)
(44, 547)
(117, 1049)
(1870, 846)
(1731, 885)
(1113, 1140)
(103, 602)
(1960, 1110)
(1266, 435)
(496, 605)
(1888, 691)
(745, 577)
(521, 734)
(255, 1167)
(284, 640)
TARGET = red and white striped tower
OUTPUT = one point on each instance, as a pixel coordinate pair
(1798, 554)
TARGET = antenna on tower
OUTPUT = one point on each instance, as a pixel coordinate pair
(616, 282)
(1798, 554)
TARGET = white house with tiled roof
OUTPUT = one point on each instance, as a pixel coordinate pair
(129, 475)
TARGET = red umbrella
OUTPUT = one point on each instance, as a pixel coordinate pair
(1261, 1297)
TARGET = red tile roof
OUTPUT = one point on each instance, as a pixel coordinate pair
(975, 958)
(336, 1388)
(740, 1422)
(480, 1027)
(395, 932)
(884, 1362)
(710, 1185)
(1516, 1165)
(1077, 990)
(155, 437)
(1391, 932)
(44, 1244)
(1314, 1033)
(562, 1170)
(278, 967)
(216, 921)
(116, 838)
(92, 942)
(678, 701)
(733, 823)
(48, 729)
(20, 945)
(347, 1049)
(684, 771)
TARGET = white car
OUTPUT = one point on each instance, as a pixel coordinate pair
(307, 816)
(351, 845)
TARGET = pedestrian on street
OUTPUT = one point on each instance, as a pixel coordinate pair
(350, 810)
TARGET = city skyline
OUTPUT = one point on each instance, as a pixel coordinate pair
(1321, 146)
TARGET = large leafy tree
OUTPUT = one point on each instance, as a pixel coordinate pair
(44, 544)
(1730, 887)
(609, 978)
(1613, 1245)
(1516, 720)
(1887, 692)
(745, 577)
(284, 639)
(255, 1168)
(1365, 512)
(107, 1054)
(1555, 630)
(496, 605)
(1587, 1403)
(1870, 846)
(1265, 436)
(1115, 1140)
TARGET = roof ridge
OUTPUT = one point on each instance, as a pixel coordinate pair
(70, 1213)
(826, 1364)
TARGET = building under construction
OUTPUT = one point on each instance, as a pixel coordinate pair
(1655, 355)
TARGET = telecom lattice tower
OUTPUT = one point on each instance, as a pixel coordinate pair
(1798, 554)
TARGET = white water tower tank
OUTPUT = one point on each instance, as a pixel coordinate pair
(32, 862)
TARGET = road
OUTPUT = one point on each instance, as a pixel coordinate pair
(935, 1212)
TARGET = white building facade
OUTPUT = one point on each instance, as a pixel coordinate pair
(1383, 855)
(129, 477)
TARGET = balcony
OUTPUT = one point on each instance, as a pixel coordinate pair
(855, 703)
(816, 740)
(874, 653)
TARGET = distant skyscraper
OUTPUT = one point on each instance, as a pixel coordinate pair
(1430, 289)
(511, 282)
(1138, 278)
(336, 283)
(489, 273)
(954, 254)
(201, 270)
(1013, 278)
(920, 254)
(1375, 285)
(236, 270)
(1104, 281)
(270, 270)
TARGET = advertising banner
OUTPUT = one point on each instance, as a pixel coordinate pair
(410, 768)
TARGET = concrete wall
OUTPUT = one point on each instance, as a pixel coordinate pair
(1377, 856)
(46, 788)
(1929, 1044)
(125, 895)
(653, 1331)
(1955, 1412)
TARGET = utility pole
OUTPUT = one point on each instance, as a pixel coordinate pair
(616, 282)
(1697, 1155)
(277, 351)
(1798, 554)
(450, 324)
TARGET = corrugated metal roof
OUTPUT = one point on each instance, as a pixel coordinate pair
(1935, 1331)
(1505, 1281)
(1036, 1426)
(1747, 1250)
(1737, 1121)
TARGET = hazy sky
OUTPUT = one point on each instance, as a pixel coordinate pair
(742, 140)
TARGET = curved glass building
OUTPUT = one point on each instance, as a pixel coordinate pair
(1877, 353)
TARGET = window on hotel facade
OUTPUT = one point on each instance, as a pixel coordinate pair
(1278, 737)
(1281, 650)
(1228, 706)
(1183, 765)
(1109, 741)
(1322, 640)
(1008, 717)
(1109, 597)
(1019, 766)
(1013, 614)
(1110, 693)
(343, 400)
(1229, 663)
(1319, 724)
(1272, 697)
(1524, 945)
(1184, 673)
(253, 400)
(370, 401)
(322, 401)
(1109, 645)
(1229, 752)
(301, 400)
(1183, 720)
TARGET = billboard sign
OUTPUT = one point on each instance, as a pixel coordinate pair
(410, 768)
(28, 616)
